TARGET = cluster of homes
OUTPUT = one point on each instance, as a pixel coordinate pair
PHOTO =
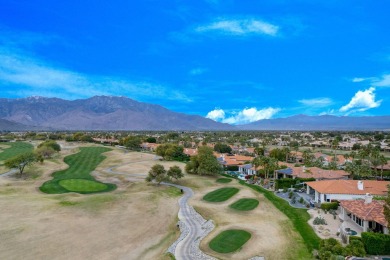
(357, 205)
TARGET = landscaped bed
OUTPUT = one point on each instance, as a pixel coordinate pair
(229, 241)
(245, 204)
(77, 177)
(220, 195)
(223, 180)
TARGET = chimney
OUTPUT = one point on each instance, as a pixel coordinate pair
(367, 198)
(360, 185)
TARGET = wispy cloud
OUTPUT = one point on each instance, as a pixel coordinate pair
(197, 71)
(382, 81)
(31, 76)
(316, 102)
(361, 101)
(244, 116)
(239, 27)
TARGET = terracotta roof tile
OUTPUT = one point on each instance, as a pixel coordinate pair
(350, 187)
(371, 212)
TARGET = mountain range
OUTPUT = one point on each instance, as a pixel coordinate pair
(122, 113)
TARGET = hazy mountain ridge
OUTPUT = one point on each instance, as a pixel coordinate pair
(100, 113)
(122, 113)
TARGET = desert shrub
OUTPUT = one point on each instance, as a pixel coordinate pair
(319, 221)
(329, 206)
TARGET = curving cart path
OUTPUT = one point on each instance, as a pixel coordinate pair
(192, 225)
(193, 229)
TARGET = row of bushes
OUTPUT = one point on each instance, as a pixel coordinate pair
(376, 243)
(287, 182)
(329, 206)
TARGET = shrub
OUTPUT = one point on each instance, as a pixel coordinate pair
(301, 200)
(376, 243)
(290, 195)
(355, 248)
(232, 168)
(319, 221)
(329, 206)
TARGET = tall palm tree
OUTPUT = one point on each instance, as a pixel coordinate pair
(382, 162)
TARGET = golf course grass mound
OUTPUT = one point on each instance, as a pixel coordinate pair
(12, 149)
(245, 204)
(229, 241)
(220, 195)
(223, 180)
(77, 177)
(82, 185)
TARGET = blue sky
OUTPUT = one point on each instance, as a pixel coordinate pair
(232, 61)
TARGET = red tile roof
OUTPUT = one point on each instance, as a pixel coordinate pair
(350, 187)
(371, 212)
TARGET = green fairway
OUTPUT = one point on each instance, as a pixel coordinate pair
(223, 180)
(220, 194)
(229, 241)
(78, 185)
(245, 204)
(13, 149)
(77, 177)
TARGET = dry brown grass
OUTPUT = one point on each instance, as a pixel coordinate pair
(137, 221)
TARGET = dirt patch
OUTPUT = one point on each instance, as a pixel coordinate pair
(137, 221)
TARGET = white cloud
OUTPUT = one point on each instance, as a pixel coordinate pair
(359, 79)
(197, 71)
(240, 27)
(31, 76)
(362, 101)
(384, 81)
(316, 102)
(216, 115)
(247, 115)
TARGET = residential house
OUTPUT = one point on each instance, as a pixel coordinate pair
(329, 190)
(311, 172)
(366, 213)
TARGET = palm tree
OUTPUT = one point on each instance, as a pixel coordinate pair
(286, 151)
(382, 162)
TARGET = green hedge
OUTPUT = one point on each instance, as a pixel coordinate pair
(355, 238)
(329, 206)
(232, 168)
(287, 182)
(376, 243)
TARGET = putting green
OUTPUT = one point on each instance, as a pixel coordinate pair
(220, 194)
(223, 180)
(245, 204)
(81, 185)
(229, 240)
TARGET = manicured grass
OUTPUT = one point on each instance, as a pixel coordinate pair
(229, 241)
(223, 180)
(77, 176)
(245, 204)
(78, 185)
(220, 194)
(15, 148)
(298, 217)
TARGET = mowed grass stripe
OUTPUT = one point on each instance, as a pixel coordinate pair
(220, 195)
(223, 180)
(245, 204)
(14, 149)
(229, 241)
(78, 185)
(80, 167)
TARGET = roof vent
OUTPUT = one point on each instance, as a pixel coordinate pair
(360, 185)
